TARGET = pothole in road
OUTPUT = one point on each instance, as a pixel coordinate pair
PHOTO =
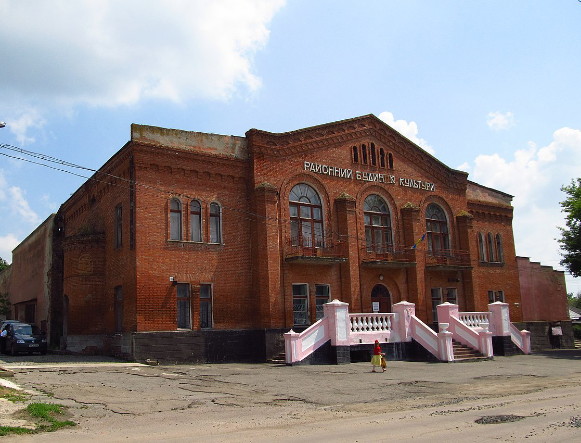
(496, 419)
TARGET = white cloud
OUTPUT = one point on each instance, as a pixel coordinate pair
(20, 206)
(498, 121)
(7, 244)
(534, 176)
(108, 53)
(20, 124)
(407, 129)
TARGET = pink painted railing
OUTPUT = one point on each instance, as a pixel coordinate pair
(438, 344)
(522, 339)
(344, 329)
(478, 338)
(298, 346)
(501, 326)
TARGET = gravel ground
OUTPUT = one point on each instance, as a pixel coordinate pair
(537, 397)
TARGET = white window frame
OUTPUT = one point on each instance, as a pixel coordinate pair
(306, 297)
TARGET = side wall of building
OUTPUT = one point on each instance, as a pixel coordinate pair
(31, 276)
(544, 293)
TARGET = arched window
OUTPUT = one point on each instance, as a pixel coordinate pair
(437, 229)
(490, 244)
(175, 219)
(215, 223)
(364, 154)
(499, 251)
(306, 217)
(195, 221)
(481, 247)
(381, 158)
(355, 154)
(378, 236)
(390, 160)
(373, 155)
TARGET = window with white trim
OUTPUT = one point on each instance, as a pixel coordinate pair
(377, 219)
(322, 295)
(306, 217)
(300, 304)
(437, 229)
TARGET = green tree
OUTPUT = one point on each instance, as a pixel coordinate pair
(4, 299)
(3, 264)
(570, 240)
(574, 300)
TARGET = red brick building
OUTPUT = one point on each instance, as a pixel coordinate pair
(222, 243)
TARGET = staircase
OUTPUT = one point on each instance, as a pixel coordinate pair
(279, 359)
(463, 353)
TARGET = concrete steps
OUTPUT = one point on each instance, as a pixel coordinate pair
(280, 359)
(463, 353)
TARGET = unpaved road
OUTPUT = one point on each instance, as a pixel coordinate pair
(537, 398)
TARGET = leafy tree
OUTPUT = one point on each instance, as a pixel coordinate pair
(4, 305)
(574, 300)
(3, 264)
(570, 240)
(4, 299)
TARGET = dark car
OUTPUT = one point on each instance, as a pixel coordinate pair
(3, 325)
(22, 337)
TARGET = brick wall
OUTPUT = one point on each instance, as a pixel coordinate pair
(252, 270)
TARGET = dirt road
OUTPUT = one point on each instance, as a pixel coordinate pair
(536, 397)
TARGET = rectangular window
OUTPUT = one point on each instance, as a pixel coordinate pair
(118, 226)
(183, 300)
(494, 296)
(490, 297)
(321, 297)
(118, 308)
(206, 306)
(301, 304)
(436, 300)
(452, 295)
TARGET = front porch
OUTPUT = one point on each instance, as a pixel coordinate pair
(339, 334)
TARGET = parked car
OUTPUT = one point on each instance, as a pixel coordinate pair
(22, 337)
(2, 338)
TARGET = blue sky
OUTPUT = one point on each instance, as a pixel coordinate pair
(489, 87)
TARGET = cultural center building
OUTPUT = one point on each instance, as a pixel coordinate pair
(206, 247)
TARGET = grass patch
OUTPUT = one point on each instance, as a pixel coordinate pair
(12, 395)
(7, 430)
(46, 414)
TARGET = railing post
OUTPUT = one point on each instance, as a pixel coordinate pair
(485, 338)
(339, 325)
(445, 311)
(445, 348)
(526, 341)
(499, 319)
(404, 312)
(290, 347)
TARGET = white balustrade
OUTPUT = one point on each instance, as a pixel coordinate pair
(474, 319)
(371, 322)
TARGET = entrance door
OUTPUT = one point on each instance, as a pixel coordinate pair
(381, 295)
